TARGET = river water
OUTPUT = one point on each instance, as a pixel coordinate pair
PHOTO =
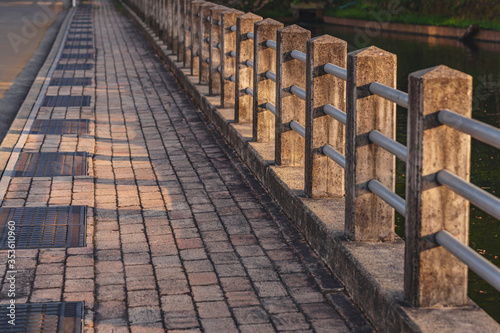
(482, 61)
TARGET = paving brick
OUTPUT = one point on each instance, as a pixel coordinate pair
(213, 310)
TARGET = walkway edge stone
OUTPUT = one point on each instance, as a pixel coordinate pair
(371, 272)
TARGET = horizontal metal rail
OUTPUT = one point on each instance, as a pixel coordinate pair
(250, 35)
(336, 71)
(388, 144)
(207, 60)
(271, 44)
(335, 113)
(299, 92)
(233, 28)
(271, 107)
(219, 23)
(478, 130)
(391, 198)
(479, 197)
(481, 266)
(219, 69)
(334, 155)
(300, 56)
(209, 18)
(232, 78)
(298, 128)
(232, 54)
(271, 76)
(249, 63)
(219, 46)
(397, 96)
(207, 40)
(249, 91)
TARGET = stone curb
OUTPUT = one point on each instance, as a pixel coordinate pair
(372, 273)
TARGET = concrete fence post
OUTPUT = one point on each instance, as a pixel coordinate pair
(369, 218)
(290, 146)
(195, 37)
(180, 30)
(188, 28)
(228, 62)
(174, 32)
(168, 23)
(324, 177)
(433, 276)
(214, 77)
(243, 109)
(204, 41)
(264, 88)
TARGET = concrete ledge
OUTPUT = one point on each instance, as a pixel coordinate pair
(372, 273)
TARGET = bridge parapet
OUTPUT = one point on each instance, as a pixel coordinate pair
(330, 118)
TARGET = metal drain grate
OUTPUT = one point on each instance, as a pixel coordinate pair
(82, 32)
(77, 56)
(60, 126)
(76, 67)
(70, 81)
(44, 227)
(66, 101)
(79, 46)
(51, 164)
(60, 317)
(83, 39)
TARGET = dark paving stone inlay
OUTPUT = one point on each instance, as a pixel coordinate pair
(51, 164)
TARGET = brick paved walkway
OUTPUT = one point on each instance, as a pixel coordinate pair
(180, 234)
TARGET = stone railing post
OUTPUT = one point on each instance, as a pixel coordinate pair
(264, 88)
(205, 27)
(433, 276)
(195, 37)
(324, 177)
(188, 28)
(369, 218)
(181, 25)
(243, 109)
(173, 32)
(169, 23)
(228, 62)
(214, 77)
(290, 146)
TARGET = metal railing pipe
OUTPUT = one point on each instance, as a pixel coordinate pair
(335, 113)
(337, 71)
(233, 28)
(232, 78)
(388, 144)
(249, 63)
(391, 94)
(298, 128)
(300, 56)
(271, 44)
(232, 54)
(476, 195)
(249, 91)
(478, 130)
(391, 198)
(250, 35)
(482, 267)
(271, 76)
(271, 107)
(334, 155)
(299, 92)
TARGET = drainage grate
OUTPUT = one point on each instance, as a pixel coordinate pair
(44, 227)
(60, 317)
(83, 39)
(76, 67)
(80, 46)
(60, 126)
(77, 56)
(70, 81)
(82, 32)
(66, 101)
(51, 164)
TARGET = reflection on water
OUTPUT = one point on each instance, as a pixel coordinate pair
(482, 61)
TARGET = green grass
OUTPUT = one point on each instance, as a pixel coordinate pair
(363, 11)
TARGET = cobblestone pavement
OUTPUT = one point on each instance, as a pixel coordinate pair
(180, 235)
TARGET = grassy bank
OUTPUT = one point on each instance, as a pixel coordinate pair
(460, 15)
